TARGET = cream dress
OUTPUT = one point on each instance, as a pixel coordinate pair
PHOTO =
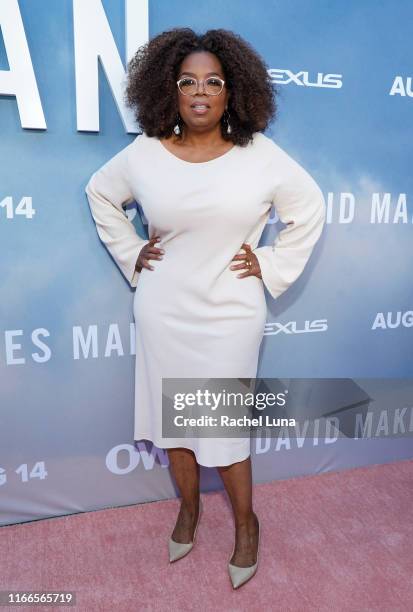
(193, 316)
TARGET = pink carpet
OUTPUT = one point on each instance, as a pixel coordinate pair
(336, 541)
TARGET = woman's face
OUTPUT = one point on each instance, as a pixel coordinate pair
(201, 65)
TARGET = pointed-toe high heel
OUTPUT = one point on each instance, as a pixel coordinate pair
(178, 550)
(240, 575)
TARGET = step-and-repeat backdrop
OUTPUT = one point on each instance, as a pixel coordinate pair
(344, 71)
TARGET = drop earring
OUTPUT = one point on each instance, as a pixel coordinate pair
(226, 120)
(177, 129)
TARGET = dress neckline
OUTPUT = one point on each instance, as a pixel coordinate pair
(184, 161)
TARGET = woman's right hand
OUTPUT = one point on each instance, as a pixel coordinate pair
(149, 251)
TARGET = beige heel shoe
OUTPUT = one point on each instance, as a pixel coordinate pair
(177, 550)
(240, 575)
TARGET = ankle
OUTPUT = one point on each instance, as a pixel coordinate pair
(191, 507)
(247, 521)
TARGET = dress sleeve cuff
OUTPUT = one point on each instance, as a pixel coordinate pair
(132, 274)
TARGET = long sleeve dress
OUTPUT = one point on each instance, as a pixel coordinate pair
(193, 317)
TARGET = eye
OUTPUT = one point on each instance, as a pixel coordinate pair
(187, 81)
(213, 86)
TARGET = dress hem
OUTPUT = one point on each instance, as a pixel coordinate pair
(199, 460)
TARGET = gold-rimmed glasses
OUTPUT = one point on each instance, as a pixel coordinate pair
(188, 86)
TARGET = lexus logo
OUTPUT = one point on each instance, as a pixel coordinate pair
(303, 78)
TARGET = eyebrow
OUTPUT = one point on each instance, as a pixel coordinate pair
(194, 75)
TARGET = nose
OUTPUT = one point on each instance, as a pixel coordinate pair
(203, 86)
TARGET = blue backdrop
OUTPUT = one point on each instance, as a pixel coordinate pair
(66, 429)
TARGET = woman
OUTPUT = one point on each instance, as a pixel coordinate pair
(206, 177)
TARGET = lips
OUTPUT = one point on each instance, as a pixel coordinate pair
(199, 109)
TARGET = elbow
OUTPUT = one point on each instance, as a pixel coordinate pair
(320, 213)
(89, 186)
(88, 190)
(317, 218)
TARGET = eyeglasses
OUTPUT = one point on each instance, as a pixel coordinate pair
(188, 86)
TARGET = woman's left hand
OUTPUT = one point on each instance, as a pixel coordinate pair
(249, 261)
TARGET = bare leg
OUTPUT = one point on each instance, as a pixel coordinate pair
(237, 479)
(185, 471)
